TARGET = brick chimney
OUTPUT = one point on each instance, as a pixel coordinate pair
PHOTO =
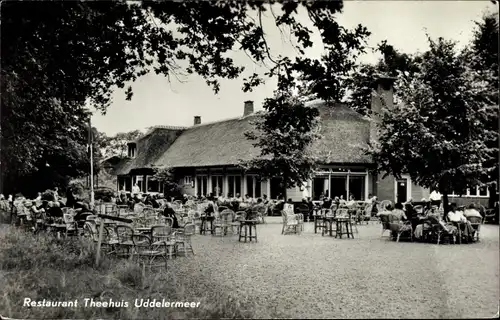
(197, 120)
(248, 108)
(382, 98)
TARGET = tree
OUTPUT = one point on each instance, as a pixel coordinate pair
(360, 83)
(166, 176)
(483, 56)
(284, 134)
(438, 134)
(60, 56)
(117, 144)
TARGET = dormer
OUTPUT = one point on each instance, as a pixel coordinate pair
(132, 149)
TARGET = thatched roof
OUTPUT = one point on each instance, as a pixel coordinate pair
(345, 134)
(149, 149)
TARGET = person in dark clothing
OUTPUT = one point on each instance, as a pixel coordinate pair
(209, 210)
(55, 211)
(327, 203)
(169, 212)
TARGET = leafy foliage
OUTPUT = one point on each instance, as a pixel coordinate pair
(60, 56)
(166, 176)
(438, 134)
(284, 134)
(117, 144)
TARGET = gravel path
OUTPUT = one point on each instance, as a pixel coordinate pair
(310, 276)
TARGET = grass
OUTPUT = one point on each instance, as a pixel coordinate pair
(41, 267)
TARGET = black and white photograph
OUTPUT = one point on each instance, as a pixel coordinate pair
(249, 159)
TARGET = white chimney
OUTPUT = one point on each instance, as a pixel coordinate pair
(248, 108)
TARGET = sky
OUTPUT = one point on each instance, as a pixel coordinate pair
(404, 24)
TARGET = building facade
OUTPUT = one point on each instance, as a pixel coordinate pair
(206, 156)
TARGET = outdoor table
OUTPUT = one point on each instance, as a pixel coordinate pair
(327, 225)
(248, 225)
(343, 222)
(204, 222)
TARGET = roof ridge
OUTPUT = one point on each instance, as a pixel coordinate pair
(223, 120)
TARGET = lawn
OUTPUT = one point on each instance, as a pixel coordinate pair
(292, 276)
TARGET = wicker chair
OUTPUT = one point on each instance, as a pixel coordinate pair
(475, 222)
(125, 243)
(162, 235)
(147, 253)
(223, 222)
(290, 223)
(183, 238)
(385, 220)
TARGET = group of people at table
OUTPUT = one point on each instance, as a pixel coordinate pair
(422, 217)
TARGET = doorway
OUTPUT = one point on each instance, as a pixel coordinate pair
(402, 190)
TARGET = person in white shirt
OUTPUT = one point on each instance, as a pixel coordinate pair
(455, 215)
(39, 197)
(435, 198)
(351, 202)
(472, 212)
(136, 189)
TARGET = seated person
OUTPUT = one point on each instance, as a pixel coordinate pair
(398, 212)
(455, 215)
(169, 212)
(471, 211)
(54, 210)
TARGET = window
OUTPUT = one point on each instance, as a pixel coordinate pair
(131, 150)
(253, 187)
(122, 183)
(201, 185)
(472, 192)
(217, 186)
(320, 186)
(234, 185)
(357, 187)
(188, 180)
(153, 185)
(338, 187)
(140, 182)
(483, 191)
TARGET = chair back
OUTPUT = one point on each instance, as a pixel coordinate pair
(226, 215)
(161, 231)
(124, 233)
(68, 219)
(384, 204)
(169, 221)
(222, 208)
(474, 220)
(303, 208)
(342, 213)
(240, 215)
(189, 229)
(141, 241)
(138, 208)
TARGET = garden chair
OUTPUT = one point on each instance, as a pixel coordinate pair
(475, 222)
(223, 222)
(398, 228)
(290, 223)
(260, 213)
(438, 231)
(71, 227)
(383, 205)
(138, 208)
(124, 236)
(385, 220)
(183, 239)
(304, 210)
(237, 218)
(163, 235)
(148, 254)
